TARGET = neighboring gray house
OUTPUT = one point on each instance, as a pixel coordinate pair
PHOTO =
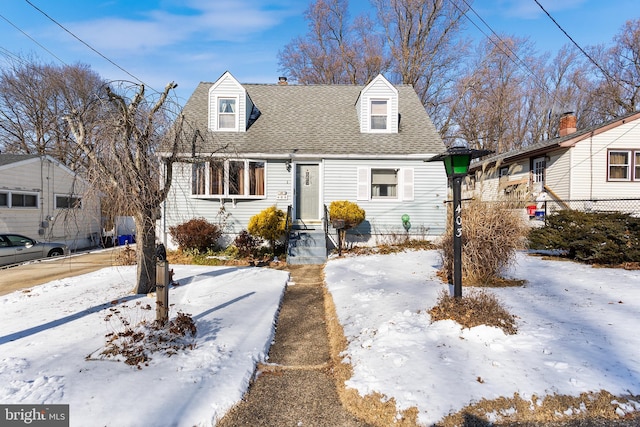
(300, 147)
(43, 199)
(589, 166)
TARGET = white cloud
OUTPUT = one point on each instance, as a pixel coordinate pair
(230, 21)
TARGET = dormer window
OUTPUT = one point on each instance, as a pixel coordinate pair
(379, 114)
(227, 114)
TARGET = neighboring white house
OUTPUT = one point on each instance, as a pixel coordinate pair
(304, 146)
(44, 200)
(580, 169)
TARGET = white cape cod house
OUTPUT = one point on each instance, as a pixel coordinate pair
(300, 147)
(44, 200)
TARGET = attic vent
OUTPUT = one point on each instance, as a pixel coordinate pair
(282, 80)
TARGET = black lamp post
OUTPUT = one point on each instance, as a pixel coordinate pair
(456, 163)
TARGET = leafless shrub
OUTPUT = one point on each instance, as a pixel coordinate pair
(491, 235)
(475, 308)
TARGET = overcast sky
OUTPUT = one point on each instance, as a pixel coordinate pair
(188, 41)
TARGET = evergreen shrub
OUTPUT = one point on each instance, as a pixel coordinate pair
(268, 225)
(349, 212)
(590, 237)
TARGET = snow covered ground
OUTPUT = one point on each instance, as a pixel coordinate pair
(576, 332)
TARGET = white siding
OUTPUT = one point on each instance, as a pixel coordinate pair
(589, 164)
(228, 87)
(46, 179)
(559, 175)
(379, 88)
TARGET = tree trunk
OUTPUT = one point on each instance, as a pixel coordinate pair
(145, 252)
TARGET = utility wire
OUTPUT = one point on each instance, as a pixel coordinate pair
(32, 39)
(593, 61)
(86, 44)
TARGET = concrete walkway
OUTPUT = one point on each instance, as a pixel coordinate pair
(296, 387)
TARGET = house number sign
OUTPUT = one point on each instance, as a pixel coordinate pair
(457, 224)
(307, 177)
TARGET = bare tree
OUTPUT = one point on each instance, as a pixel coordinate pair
(333, 51)
(33, 99)
(123, 159)
(423, 39)
(618, 89)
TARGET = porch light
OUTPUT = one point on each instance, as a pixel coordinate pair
(456, 163)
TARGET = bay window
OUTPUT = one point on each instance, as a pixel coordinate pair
(231, 178)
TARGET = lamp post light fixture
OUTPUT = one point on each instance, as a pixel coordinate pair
(456, 163)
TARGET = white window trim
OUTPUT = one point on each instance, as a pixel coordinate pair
(405, 190)
(226, 195)
(630, 165)
(369, 115)
(27, 193)
(216, 113)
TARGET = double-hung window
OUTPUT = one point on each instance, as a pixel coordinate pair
(619, 165)
(229, 178)
(384, 183)
(4, 200)
(623, 165)
(379, 114)
(227, 114)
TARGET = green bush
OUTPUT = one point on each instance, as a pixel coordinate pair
(268, 225)
(590, 237)
(197, 234)
(347, 211)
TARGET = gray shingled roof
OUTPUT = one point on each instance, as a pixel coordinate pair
(7, 159)
(318, 119)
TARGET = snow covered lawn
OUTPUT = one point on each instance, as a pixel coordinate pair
(46, 334)
(577, 331)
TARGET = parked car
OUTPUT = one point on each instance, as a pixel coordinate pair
(15, 248)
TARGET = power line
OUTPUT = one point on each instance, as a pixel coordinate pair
(86, 44)
(593, 61)
(32, 39)
(510, 54)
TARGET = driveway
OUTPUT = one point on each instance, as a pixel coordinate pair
(43, 271)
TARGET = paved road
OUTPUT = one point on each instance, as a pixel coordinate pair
(46, 270)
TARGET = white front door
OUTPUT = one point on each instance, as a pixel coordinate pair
(307, 206)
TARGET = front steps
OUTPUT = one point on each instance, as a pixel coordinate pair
(307, 246)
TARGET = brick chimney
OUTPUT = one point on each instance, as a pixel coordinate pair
(282, 81)
(567, 124)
